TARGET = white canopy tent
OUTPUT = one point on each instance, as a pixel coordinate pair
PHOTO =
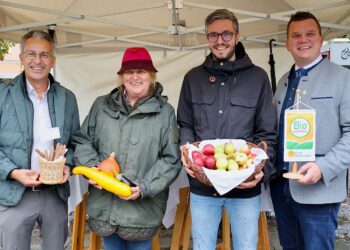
(172, 25)
(91, 35)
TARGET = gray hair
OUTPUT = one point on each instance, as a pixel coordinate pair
(39, 34)
(222, 14)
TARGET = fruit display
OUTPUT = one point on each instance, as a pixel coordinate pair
(224, 162)
(223, 157)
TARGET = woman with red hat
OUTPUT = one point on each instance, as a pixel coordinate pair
(137, 123)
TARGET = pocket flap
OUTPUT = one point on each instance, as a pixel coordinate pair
(244, 102)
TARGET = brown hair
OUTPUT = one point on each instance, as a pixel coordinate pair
(222, 14)
(301, 16)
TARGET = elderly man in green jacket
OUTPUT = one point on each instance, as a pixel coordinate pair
(35, 112)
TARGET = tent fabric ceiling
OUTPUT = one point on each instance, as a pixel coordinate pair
(171, 25)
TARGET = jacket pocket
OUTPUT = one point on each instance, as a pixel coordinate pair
(202, 110)
(243, 102)
(315, 98)
(242, 115)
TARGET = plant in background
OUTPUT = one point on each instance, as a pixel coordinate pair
(5, 46)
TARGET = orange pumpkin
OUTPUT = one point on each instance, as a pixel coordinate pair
(110, 166)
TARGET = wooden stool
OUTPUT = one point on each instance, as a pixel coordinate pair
(78, 234)
(182, 227)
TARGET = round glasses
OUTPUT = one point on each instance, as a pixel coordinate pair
(31, 55)
(226, 36)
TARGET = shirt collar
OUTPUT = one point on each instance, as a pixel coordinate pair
(316, 61)
(32, 92)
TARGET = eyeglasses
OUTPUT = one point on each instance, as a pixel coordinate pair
(225, 36)
(31, 55)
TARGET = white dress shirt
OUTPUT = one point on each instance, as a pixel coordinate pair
(316, 61)
(41, 124)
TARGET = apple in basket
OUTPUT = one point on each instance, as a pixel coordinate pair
(198, 161)
(232, 165)
(229, 148)
(241, 158)
(208, 149)
(221, 164)
(210, 162)
(196, 154)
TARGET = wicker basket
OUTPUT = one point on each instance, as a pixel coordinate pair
(199, 173)
(51, 172)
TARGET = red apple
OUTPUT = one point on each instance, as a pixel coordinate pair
(210, 162)
(196, 154)
(198, 162)
(208, 149)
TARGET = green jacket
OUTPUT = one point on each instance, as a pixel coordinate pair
(16, 132)
(146, 146)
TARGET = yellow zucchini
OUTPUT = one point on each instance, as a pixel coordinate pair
(105, 181)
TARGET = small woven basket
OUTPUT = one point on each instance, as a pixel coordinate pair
(199, 173)
(51, 172)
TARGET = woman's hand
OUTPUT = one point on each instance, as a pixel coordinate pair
(94, 183)
(136, 193)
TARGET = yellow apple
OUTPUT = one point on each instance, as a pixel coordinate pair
(229, 148)
(232, 165)
(221, 163)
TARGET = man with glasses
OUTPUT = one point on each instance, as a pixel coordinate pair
(227, 97)
(35, 112)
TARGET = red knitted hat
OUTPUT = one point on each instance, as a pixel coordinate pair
(136, 58)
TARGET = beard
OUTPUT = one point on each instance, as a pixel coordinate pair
(229, 57)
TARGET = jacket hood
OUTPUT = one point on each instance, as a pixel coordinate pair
(114, 99)
(242, 61)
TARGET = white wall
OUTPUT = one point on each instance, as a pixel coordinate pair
(93, 74)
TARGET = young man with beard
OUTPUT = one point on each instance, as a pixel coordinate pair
(226, 97)
(35, 112)
(307, 209)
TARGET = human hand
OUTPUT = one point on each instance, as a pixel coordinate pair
(187, 167)
(252, 183)
(66, 174)
(94, 183)
(27, 177)
(135, 194)
(311, 173)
